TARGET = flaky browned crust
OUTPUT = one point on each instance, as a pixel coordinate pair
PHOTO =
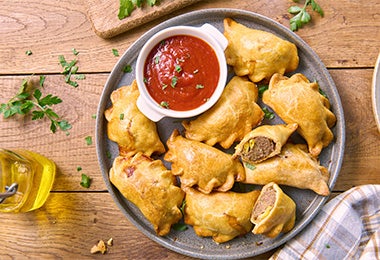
(258, 54)
(294, 166)
(233, 116)
(296, 100)
(130, 128)
(202, 166)
(151, 187)
(221, 215)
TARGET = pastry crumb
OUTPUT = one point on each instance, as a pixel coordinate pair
(99, 248)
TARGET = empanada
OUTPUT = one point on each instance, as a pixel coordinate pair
(233, 116)
(151, 187)
(221, 215)
(128, 127)
(256, 53)
(296, 100)
(273, 212)
(198, 164)
(263, 142)
(294, 166)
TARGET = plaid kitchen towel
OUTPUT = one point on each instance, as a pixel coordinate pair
(348, 227)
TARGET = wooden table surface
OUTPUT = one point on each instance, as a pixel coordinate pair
(74, 218)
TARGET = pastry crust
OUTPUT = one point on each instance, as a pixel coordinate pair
(130, 128)
(151, 187)
(274, 212)
(263, 142)
(294, 166)
(203, 166)
(221, 215)
(306, 107)
(256, 53)
(232, 117)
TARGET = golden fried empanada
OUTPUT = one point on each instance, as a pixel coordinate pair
(151, 187)
(296, 100)
(128, 127)
(294, 166)
(257, 53)
(233, 116)
(263, 142)
(274, 212)
(198, 164)
(221, 215)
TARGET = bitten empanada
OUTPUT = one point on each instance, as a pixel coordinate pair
(233, 116)
(221, 215)
(296, 100)
(256, 53)
(151, 187)
(263, 142)
(294, 166)
(274, 212)
(130, 128)
(198, 164)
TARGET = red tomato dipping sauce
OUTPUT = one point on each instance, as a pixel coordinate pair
(181, 72)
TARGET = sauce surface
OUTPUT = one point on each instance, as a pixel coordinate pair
(181, 72)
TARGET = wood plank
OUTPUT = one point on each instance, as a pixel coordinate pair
(69, 224)
(53, 29)
(362, 152)
(362, 155)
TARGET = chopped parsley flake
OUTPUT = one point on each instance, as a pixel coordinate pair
(174, 82)
(88, 140)
(199, 86)
(164, 104)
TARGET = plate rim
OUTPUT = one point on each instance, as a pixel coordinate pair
(376, 92)
(101, 121)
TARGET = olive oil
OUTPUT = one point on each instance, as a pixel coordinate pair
(34, 175)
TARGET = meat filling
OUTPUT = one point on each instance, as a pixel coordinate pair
(257, 148)
(267, 199)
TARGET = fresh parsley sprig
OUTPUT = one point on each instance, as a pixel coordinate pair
(127, 6)
(29, 100)
(302, 16)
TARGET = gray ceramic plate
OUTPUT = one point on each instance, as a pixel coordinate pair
(308, 203)
(376, 92)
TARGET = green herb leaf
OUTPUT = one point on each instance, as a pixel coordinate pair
(79, 168)
(262, 89)
(268, 114)
(127, 69)
(69, 68)
(75, 52)
(28, 52)
(126, 7)
(88, 140)
(30, 101)
(302, 16)
(250, 166)
(199, 86)
(157, 59)
(178, 68)
(164, 104)
(180, 226)
(42, 80)
(115, 52)
(86, 181)
(121, 116)
(174, 82)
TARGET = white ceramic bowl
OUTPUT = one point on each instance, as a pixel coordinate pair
(209, 34)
